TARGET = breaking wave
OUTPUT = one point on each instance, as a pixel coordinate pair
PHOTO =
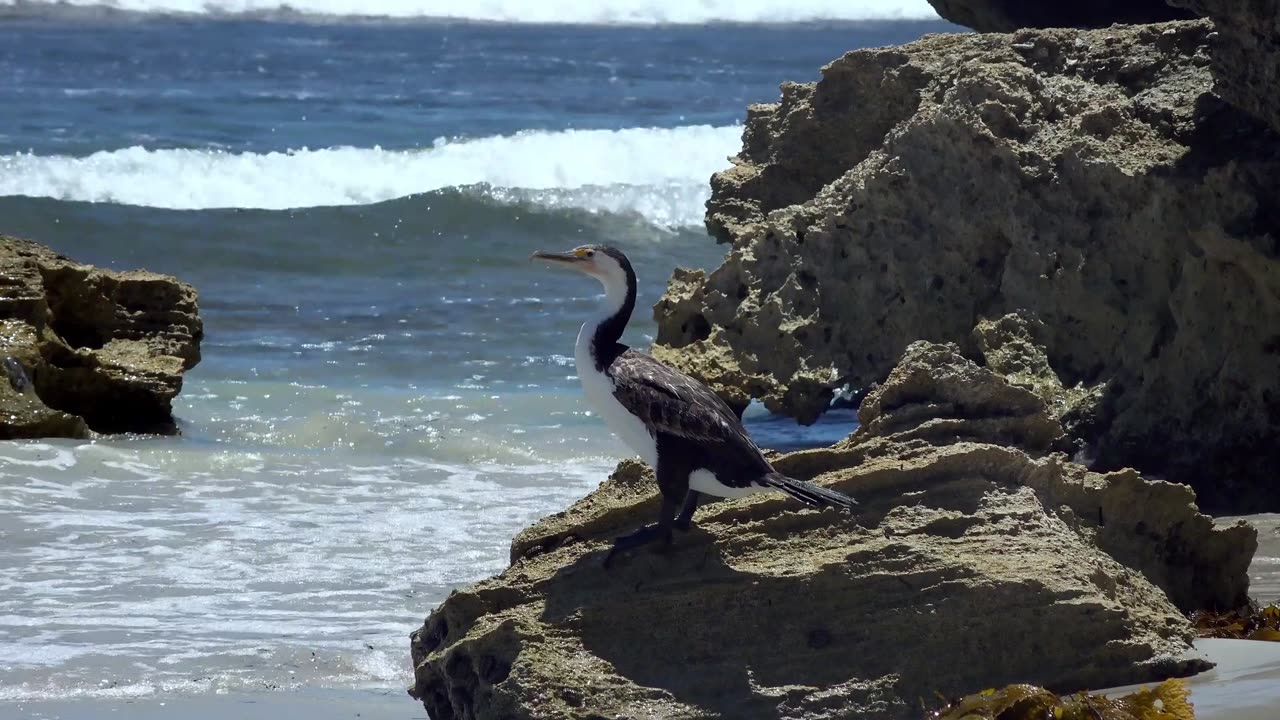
(658, 173)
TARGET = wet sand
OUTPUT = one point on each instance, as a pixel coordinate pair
(1245, 685)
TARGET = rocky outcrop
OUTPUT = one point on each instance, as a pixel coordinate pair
(1246, 53)
(938, 396)
(971, 563)
(1009, 15)
(1089, 178)
(85, 348)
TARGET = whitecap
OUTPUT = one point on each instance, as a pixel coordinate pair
(645, 170)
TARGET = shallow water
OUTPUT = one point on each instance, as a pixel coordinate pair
(1264, 572)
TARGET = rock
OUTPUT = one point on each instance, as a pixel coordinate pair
(1089, 179)
(22, 413)
(1010, 347)
(85, 348)
(1010, 15)
(1246, 53)
(970, 564)
(936, 394)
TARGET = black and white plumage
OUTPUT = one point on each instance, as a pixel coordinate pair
(695, 443)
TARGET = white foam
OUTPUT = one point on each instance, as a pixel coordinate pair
(659, 173)
(598, 12)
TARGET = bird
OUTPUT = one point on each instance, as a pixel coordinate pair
(695, 443)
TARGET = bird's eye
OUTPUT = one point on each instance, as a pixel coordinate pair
(591, 253)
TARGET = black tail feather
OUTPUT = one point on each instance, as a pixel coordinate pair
(810, 494)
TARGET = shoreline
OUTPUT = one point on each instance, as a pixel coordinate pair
(313, 703)
(1241, 687)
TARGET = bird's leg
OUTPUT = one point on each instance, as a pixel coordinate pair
(685, 519)
(658, 532)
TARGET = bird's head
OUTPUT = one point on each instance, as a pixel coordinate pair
(604, 263)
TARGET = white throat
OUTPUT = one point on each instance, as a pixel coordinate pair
(598, 385)
(615, 296)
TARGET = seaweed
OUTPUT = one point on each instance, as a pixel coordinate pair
(1166, 701)
(1251, 622)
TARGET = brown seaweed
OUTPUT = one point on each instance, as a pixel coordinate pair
(1166, 701)
(1251, 622)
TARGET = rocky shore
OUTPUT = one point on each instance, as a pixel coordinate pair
(978, 557)
(87, 349)
(1045, 264)
(1091, 179)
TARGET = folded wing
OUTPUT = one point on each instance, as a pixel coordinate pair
(671, 402)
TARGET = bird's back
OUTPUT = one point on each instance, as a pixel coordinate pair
(670, 402)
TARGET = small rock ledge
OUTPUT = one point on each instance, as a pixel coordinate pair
(87, 349)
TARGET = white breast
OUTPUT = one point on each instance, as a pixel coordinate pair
(598, 388)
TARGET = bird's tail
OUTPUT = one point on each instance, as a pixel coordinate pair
(808, 493)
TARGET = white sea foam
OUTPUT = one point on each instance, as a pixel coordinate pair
(210, 580)
(659, 173)
(596, 12)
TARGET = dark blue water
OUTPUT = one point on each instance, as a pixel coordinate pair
(249, 86)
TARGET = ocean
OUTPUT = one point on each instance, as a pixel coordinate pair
(387, 393)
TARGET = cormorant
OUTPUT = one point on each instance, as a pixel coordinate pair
(693, 441)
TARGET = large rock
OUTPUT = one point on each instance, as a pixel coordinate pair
(1088, 177)
(1246, 53)
(938, 396)
(1009, 15)
(970, 564)
(85, 348)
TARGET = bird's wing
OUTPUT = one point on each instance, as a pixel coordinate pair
(669, 401)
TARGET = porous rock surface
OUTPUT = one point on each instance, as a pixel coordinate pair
(970, 563)
(84, 348)
(1089, 178)
(1246, 53)
(1009, 15)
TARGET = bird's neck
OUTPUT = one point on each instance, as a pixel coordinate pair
(602, 333)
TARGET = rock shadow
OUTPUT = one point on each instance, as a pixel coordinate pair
(753, 644)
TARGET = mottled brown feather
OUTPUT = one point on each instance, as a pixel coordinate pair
(671, 402)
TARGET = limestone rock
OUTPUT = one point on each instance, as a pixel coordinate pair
(937, 395)
(1246, 53)
(1009, 15)
(1089, 179)
(969, 564)
(86, 348)
(1011, 347)
(935, 392)
(22, 413)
